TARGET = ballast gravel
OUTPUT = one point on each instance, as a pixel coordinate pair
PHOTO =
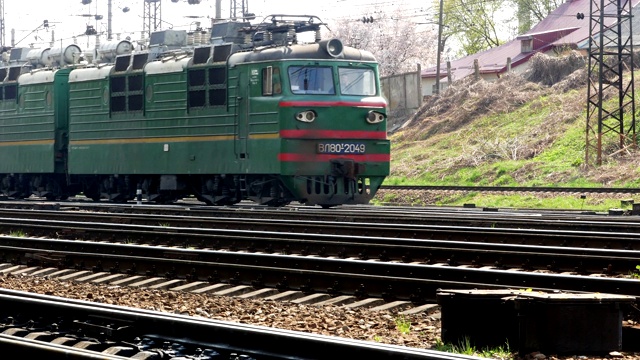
(381, 326)
(327, 320)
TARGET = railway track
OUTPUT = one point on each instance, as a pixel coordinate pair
(454, 216)
(45, 327)
(498, 252)
(323, 263)
(226, 232)
(513, 189)
(218, 255)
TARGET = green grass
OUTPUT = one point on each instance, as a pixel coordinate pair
(532, 201)
(17, 233)
(515, 201)
(465, 347)
(403, 325)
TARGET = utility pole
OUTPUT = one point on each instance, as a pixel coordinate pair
(437, 91)
(109, 16)
(2, 31)
(218, 9)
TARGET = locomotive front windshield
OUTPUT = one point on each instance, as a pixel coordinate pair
(357, 81)
(311, 80)
(319, 80)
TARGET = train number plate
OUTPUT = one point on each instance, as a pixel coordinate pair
(341, 148)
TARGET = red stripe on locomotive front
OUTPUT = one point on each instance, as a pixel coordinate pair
(332, 134)
(293, 157)
(376, 104)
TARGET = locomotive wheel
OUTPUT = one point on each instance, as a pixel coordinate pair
(92, 191)
(55, 191)
(61, 197)
(204, 200)
(327, 206)
(165, 200)
(277, 203)
(95, 196)
(226, 201)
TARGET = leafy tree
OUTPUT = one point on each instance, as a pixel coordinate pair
(477, 25)
(533, 11)
(397, 43)
(473, 24)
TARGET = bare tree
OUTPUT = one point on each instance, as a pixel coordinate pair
(398, 44)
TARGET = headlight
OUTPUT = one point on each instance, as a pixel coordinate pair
(374, 117)
(306, 116)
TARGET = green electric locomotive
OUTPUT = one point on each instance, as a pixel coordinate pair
(252, 115)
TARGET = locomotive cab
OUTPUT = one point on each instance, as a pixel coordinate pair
(338, 139)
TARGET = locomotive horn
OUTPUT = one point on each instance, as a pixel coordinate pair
(333, 47)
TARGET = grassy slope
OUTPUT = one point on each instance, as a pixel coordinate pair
(508, 133)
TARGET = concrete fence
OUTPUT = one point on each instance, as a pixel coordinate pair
(403, 93)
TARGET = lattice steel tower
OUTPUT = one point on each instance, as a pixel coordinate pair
(152, 18)
(611, 127)
(244, 7)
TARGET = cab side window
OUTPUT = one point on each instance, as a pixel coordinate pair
(271, 83)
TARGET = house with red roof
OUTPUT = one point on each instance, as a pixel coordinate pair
(559, 31)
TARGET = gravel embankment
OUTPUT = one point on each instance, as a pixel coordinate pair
(360, 324)
(328, 320)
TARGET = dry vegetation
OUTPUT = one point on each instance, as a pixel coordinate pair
(475, 121)
(547, 70)
(467, 99)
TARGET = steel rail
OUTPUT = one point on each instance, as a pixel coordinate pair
(460, 216)
(34, 349)
(454, 253)
(454, 246)
(281, 219)
(606, 238)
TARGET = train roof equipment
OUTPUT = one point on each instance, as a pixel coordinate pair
(109, 50)
(39, 57)
(65, 55)
(274, 30)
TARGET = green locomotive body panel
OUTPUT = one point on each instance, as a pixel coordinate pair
(33, 126)
(170, 134)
